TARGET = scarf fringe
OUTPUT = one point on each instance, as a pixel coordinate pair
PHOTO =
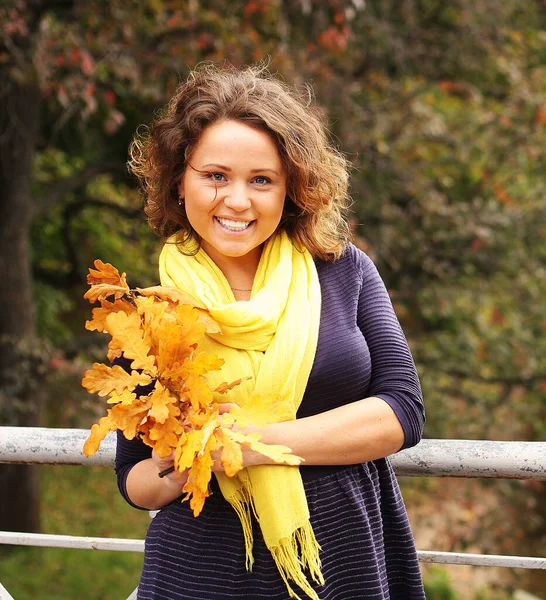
(294, 554)
(242, 505)
(299, 551)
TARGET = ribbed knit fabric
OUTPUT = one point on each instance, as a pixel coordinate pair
(357, 511)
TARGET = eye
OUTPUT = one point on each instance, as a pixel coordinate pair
(215, 176)
(261, 180)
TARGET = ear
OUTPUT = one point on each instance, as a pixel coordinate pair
(181, 187)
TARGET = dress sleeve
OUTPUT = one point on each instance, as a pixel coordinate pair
(394, 377)
(129, 452)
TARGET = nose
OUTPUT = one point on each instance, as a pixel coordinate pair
(238, 197)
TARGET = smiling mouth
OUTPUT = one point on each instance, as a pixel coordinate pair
(234, 225)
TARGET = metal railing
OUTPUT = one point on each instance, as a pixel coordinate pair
(432, 458)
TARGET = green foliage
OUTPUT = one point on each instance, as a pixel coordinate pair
(78, 501)
(437, 585)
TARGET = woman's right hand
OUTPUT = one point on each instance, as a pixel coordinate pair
(173, 479)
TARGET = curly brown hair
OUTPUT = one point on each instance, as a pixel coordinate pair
(317, 199)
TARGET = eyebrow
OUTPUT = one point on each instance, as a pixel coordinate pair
(224, 168)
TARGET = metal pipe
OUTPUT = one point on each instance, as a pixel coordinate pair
(433, 458)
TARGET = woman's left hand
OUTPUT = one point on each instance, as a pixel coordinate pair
(250, 457)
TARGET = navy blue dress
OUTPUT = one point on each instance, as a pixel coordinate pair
(357, 511)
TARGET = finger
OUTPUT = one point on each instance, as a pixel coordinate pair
(225, 407)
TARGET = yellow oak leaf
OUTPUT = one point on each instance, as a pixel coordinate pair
(226, 387)
(195, 364)
(261, 410)
(199, 475)
(125, 397)
(198, 391)
(102, 380)
(172, 294)
(155, 314)
(128, 417)
(277, 453)
(197, 418)
(161, 399)
(207, 320)
(187, 449)
(200, 364)
(177, 296)
(164, 437)
(232, 454)
(127, 337)
(177, 341)
(98, 322)
(101, 291)
(106, 273)
(98, 432)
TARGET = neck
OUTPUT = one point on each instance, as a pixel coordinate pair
(238, 270)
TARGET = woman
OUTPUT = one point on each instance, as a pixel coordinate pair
(242, 183)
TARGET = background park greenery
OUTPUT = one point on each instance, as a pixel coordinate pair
(441, 108)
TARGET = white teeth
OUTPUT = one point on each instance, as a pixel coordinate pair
(233, 225)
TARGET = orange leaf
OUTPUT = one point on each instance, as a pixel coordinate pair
(225, 387)
(102, 380)
(106, 273)
(98, 432)
(190, 444)
(198, 364)
(177, 341)
(232, 454)
(128, 417)
(171, 294)
(260, 410)
(206, 319)
(101, 291)
(127, 337)
(164, 437)
(197, 485)
(199, 393)
(279, 454)
(125, 397)
(161, 400)
(98, 322)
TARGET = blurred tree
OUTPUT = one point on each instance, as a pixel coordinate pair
(440, 106)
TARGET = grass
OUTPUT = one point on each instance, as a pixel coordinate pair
(77, 501)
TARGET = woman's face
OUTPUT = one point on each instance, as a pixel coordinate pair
(234, 189)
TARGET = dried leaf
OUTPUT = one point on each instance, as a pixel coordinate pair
(226, 387)
(260, 410)
(127, 337)
(171, 294)
(206, 319)
(106, 273)
(98, 322)
(98, 432)
(279, 454)
(102, 380)
(199, 475)
(197, 364)
(232, 454)
(128, 417)
(101, 291)
(199, 393)
(161, 400)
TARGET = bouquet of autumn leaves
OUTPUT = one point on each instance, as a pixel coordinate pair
(158, 329)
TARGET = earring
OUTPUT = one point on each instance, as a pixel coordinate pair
(180, 200)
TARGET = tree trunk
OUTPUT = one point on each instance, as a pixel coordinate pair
(21, 362)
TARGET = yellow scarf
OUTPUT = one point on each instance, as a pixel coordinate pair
(273, 338)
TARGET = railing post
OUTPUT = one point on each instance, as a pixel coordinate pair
(5, 595)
